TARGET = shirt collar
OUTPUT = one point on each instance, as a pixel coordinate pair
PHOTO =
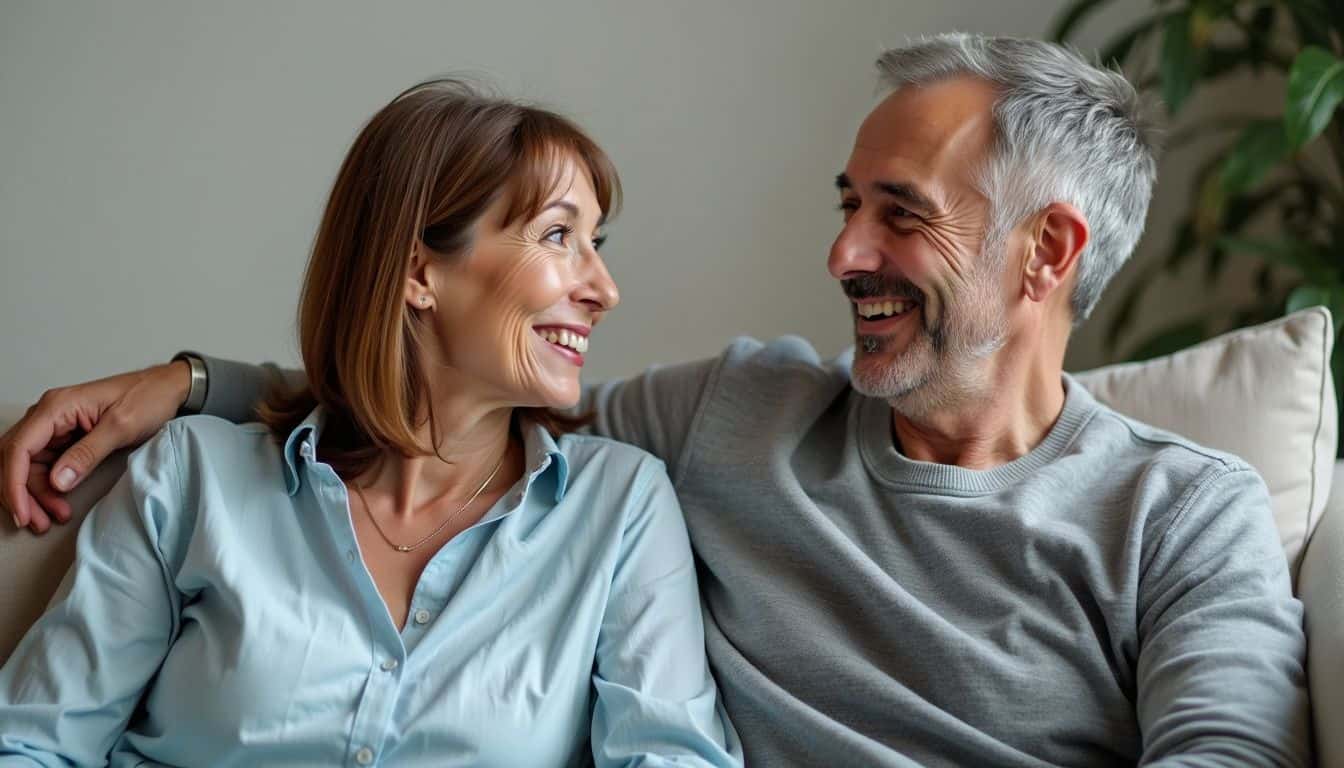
(540, 452)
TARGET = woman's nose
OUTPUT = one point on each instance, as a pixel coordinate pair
(597, 289)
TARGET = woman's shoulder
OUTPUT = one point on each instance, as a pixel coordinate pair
(583, 450)
(204, 431)
(210, 445)
(610, 477)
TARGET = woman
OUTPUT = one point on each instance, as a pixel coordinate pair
(411, 562)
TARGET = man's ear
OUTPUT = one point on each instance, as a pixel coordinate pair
(1060, 234)
(419, 293)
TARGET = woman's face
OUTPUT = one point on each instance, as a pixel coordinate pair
(511, 317)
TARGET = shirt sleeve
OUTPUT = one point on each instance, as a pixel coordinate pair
(73, 682)
(655, 410)
(1221, 668)
(657, 703)
(234, 390)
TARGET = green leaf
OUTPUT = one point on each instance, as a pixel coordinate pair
(1180, 60)
(1066, 22)
(1307, 259)
(1315, 89)
(1261, 146)
(1210, 205)
(1313, 294)
(1171, 339)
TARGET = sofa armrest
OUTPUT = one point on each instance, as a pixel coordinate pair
(1321, 589)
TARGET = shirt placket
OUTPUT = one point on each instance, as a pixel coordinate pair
(376, 705)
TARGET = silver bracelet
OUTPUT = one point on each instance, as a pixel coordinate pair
(200, 384)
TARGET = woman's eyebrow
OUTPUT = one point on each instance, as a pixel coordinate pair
(568, 206)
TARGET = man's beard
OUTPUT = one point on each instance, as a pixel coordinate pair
(941, 363)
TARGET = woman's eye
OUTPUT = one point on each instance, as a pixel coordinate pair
(557, 235)
(598, 241)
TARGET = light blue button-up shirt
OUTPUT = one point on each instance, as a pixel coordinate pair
(219, 613)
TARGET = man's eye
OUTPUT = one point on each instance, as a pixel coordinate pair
(897, 212)
(848, 206)
(598, 242)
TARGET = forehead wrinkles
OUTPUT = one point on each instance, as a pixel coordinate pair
(939, 134)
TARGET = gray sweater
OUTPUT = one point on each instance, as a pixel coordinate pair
(1117, 595)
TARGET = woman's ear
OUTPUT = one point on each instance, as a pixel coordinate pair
(419, 295)
(1061, 233)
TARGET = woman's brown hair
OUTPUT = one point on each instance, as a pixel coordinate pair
(425, 167)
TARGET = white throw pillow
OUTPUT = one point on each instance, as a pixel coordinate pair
(1263, 393)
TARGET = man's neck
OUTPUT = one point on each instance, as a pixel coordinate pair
(1001, 422)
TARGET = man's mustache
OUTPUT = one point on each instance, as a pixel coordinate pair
(886, 286)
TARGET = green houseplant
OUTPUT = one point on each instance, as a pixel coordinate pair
(1270, 190)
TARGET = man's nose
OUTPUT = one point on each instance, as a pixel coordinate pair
(856, 251)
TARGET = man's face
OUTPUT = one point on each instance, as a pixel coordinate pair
(928, 304)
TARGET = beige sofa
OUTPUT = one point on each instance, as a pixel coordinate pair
(1263, 393)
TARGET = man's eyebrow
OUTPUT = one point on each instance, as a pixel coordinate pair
(907, 193)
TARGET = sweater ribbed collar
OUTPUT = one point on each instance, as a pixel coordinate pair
(885, 462)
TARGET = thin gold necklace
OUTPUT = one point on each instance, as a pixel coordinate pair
(412, 547)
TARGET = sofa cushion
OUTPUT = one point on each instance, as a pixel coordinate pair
(1262, 393)
(32, 567)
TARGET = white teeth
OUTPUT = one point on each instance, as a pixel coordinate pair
(566, 338)
(877, 308)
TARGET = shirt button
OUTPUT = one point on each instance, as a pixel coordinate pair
(422, 616)
(306, 450)
(364, 756)
(389, 665)
(350, 555)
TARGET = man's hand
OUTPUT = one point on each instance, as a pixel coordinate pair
(70, 430)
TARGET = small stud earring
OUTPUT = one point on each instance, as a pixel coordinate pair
(424, 301)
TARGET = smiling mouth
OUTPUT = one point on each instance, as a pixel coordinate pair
(570, 343)
(876, 311)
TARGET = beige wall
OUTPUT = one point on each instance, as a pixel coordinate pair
(162, 164)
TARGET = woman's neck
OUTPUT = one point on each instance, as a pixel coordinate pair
(471, 444)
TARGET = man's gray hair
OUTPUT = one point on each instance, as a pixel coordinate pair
(1065, 131)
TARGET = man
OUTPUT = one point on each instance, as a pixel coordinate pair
(940, 550)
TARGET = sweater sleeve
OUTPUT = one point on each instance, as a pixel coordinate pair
(655, 410)
(234, 390)
(1221, 669)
